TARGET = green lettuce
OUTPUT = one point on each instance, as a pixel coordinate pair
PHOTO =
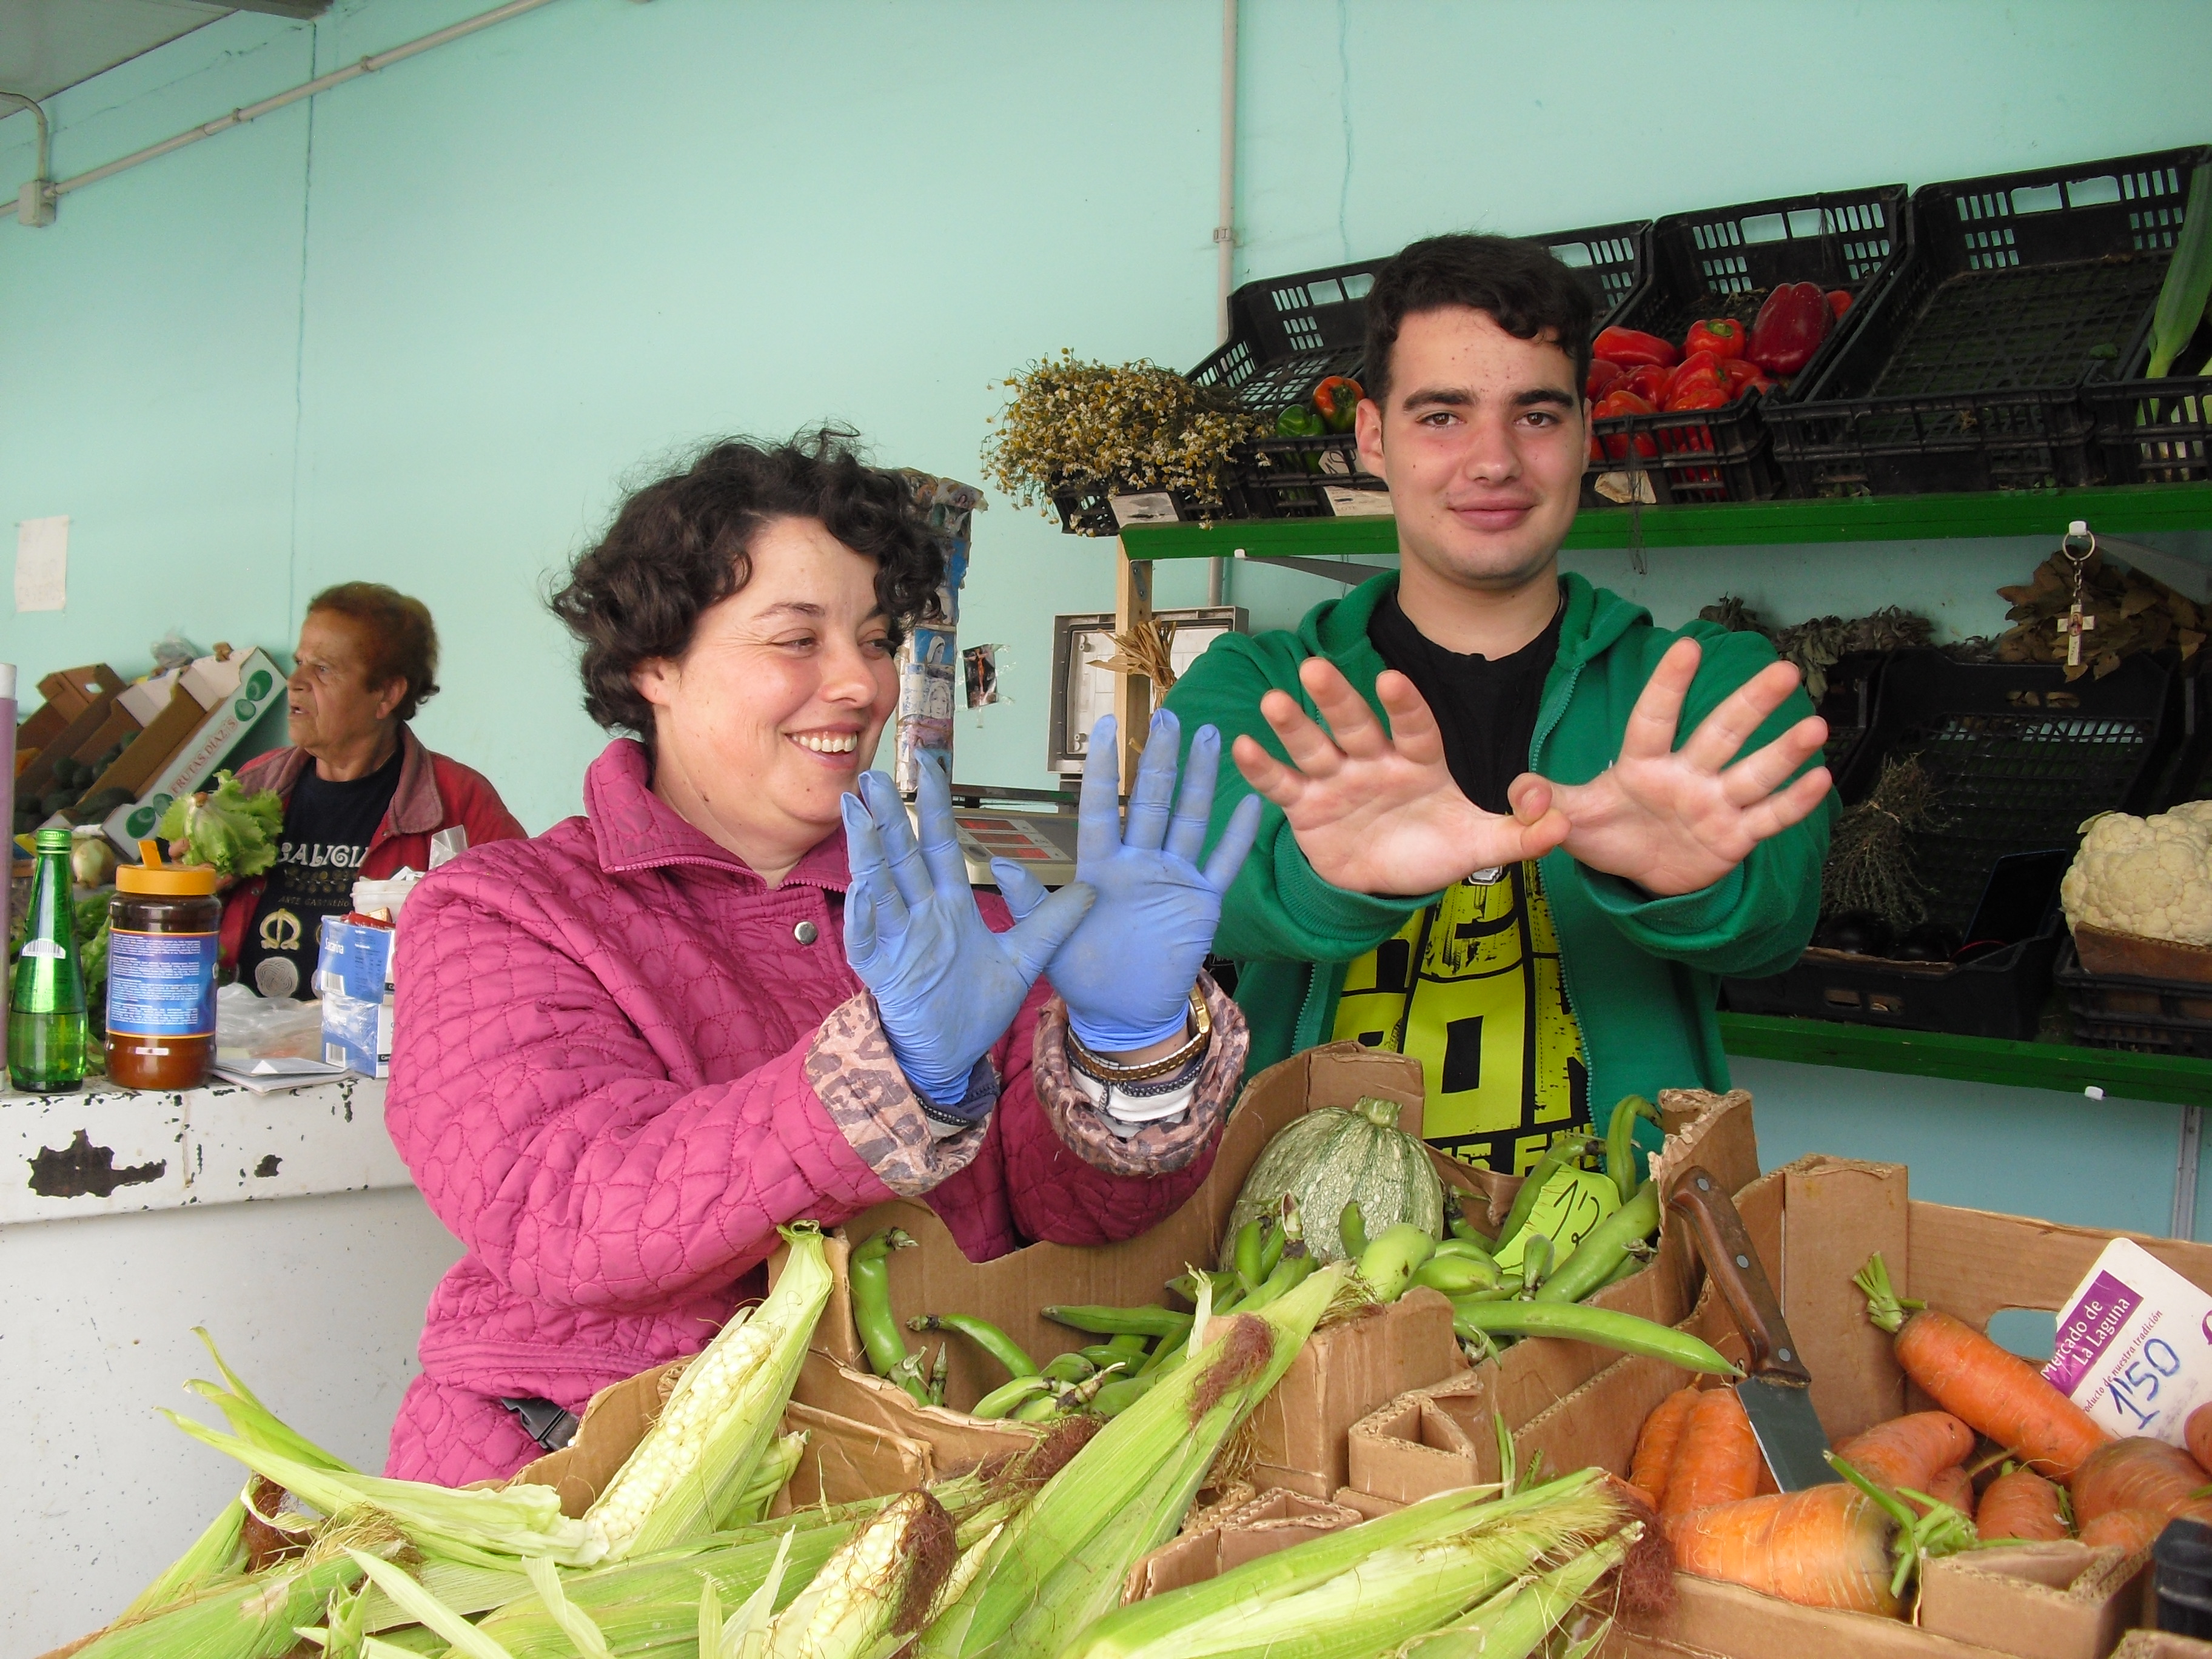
(235, 832)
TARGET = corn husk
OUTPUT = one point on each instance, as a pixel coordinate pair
(1061, 1563)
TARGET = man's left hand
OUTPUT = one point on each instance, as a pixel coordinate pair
(1676, 820)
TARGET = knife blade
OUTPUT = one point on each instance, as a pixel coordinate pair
(1777, 1388)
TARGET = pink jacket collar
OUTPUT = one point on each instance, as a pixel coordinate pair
(633, 828)
(416, 809)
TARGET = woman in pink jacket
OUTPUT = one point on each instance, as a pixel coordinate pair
(629, 1048)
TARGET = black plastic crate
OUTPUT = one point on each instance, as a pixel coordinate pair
(2128, 1011)
(2019, 756)
(1723, 262)
(2155, 431)
(1968, 370)
(1291, 333)
(1088, 509)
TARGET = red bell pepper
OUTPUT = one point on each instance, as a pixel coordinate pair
(1721, 336)
(1337, 400)
(1648, 381)
(1790, 327)
(1632, 346)
(1704, 394)
(1615, 403)
(1698, 369)
(1603, 376)
(1839, 301)
(1745, 378)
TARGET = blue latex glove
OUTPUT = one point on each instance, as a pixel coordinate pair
(946, 986)
(1128, 970)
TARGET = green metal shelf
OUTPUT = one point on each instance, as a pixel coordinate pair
(2120, 1074)
(2119, 510)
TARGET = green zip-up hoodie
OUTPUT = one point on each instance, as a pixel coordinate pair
(1641, 972)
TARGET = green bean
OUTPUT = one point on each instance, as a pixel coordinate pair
(1386, 1265)
(868, 1273)
(939, 1370)
(1621, 1142)
(1459, 1226)
(1099, 1353)
(1129, 1345)
(1573, 1322)
(1148, 1321)
(1007, 1396)
(1535, 1261)
(1351, 1230)
(1604, 1248)
(1185, 1284)
(1564, 1150)
(1456, 1274)
(1068, 1368)
(1464, 1247)
(1122, 1393)
(1248, 1249)
(984, 1334)
(1037, 1410)
(1289, 1273)
(1273, 1240)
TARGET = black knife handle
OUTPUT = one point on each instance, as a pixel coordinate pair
(1733, 1267)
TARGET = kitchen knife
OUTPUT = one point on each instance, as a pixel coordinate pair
(1777, 1388)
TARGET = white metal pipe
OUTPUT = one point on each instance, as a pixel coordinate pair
(239, 117)
(1224, 225)
(26, 101)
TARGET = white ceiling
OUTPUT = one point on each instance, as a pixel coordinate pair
(48, 45)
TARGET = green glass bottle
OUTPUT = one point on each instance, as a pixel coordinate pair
(46, 1007)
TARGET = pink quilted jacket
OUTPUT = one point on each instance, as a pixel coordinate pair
(621, 1059)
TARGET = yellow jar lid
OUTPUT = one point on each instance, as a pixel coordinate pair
(167, 880)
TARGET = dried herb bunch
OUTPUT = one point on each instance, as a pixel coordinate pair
(2134, 613)
(1147, 650)
(1819, 645)
(1871, 865)
(1076, 424)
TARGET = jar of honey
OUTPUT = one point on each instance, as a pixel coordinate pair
(163, 927)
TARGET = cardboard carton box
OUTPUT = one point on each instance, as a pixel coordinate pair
(72, 691)
(1813, 1223)
(163, 736)
(1263, 1523)
(257, 684)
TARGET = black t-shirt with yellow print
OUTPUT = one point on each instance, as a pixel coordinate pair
(1472, 986)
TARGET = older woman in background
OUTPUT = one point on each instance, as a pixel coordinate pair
(362, 797)
(631, 1047)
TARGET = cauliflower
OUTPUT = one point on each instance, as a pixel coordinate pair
(2150, 877)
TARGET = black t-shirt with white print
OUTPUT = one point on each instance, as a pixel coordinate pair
(327, 829)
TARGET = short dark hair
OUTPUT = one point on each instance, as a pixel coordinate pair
(1519, 283)
(400, 639)
(682, 542)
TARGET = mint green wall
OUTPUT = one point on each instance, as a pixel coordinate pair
(424, 328)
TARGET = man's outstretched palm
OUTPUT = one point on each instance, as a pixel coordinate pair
(1377, 811)
(1675, 820)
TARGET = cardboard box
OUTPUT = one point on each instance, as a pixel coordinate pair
(2161, 1644)
(257, 684)
(154, 745)
(150, 695)
(1813, 1223)
(356, 961)
(1261, 1524)
(1298, 1431)
(72, 691)
(73, 742)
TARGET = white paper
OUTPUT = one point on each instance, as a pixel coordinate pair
(42, 563)
(2134, 1348)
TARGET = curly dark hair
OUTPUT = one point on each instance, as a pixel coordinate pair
(682, 543)
(395, 631)
(1520, 283)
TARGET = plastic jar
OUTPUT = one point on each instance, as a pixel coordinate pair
(164, 925)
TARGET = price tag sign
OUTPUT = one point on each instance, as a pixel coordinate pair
(2134, 1347)
(1571, 1203)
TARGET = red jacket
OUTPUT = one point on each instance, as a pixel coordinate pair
(433, 793)
(621, 1059)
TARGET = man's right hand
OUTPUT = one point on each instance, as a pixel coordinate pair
(1376, 811)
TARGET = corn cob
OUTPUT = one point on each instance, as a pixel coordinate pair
(239, 1618)
(690, 1471)
(1353, 1594)
(1514, 1623)
(1061, 1561)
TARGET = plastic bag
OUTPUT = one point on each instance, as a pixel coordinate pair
(172, 650)
(248, 1028)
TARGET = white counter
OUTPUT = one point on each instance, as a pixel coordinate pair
(283, 1223)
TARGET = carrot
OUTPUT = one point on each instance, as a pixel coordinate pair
(1825, 1546)
(2131, 1530)
(1719, 1459)
(1909, 1450)
(1997, 1392)
(2197, 1434)
(1657, 1441)
(2022, 1503)
(1954, 1486)
(2139, 1474)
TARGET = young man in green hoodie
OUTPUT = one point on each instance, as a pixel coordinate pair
(1513, 875)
